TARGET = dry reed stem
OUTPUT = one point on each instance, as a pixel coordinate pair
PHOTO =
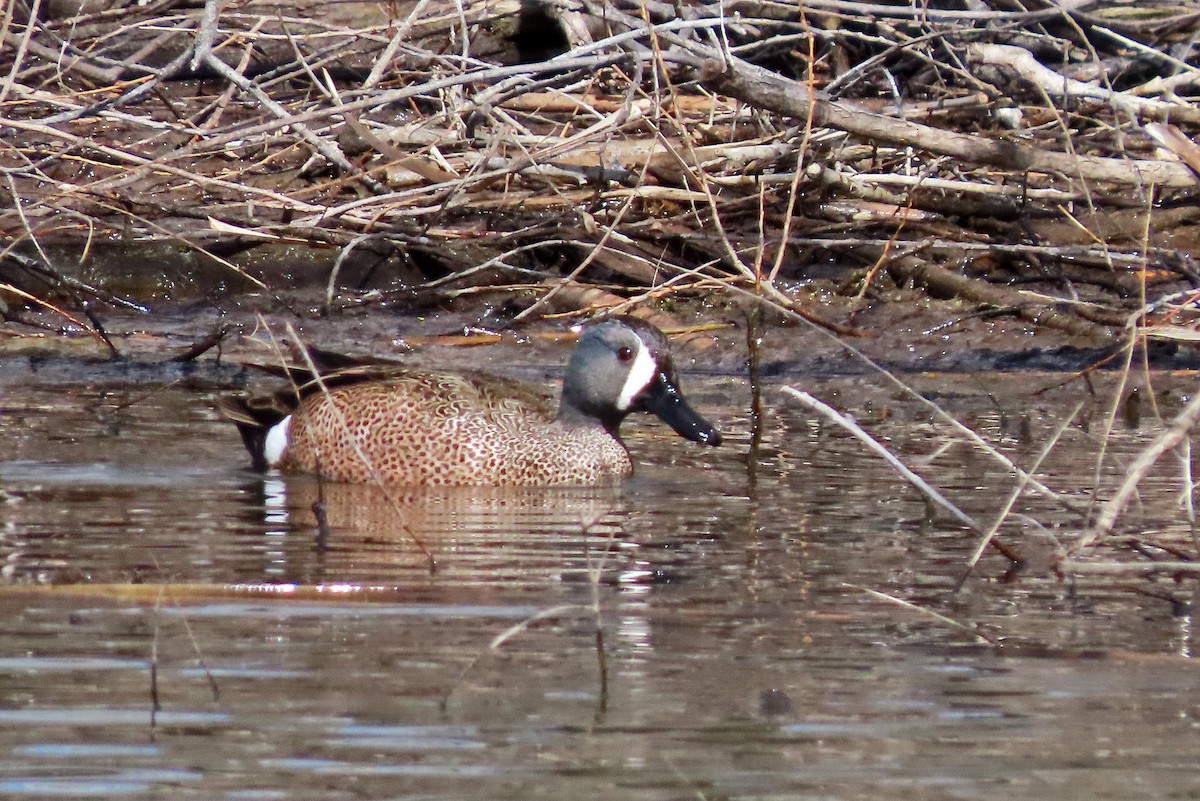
(1019, 489)
(831, 414)
(1137, 470)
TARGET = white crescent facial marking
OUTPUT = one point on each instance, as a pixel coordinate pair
(641, 373)
(277, 441)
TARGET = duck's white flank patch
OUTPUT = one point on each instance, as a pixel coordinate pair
(641, 373)
(277, 441)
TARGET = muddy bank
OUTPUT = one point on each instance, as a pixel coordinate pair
(158, 339)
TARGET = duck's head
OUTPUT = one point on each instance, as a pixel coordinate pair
(624, 365)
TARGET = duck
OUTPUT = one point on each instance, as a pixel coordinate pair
(411, 427)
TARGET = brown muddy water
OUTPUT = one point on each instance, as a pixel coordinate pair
(740, 655)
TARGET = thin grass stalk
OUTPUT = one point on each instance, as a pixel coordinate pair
(1169, 439)
(1019, 489)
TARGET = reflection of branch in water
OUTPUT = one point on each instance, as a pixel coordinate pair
(908, 475)
(594, 572)
(553, 613)
(155, 697)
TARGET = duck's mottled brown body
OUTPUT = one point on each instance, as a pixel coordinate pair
(405, 427)
(446, 429)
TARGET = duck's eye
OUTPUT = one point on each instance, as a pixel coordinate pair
(625, 354)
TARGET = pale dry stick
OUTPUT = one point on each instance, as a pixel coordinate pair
(906, 12)
(1078, 254)
(16, 199)
(206, 34)
(1179, 429)
(922, 610)
(837, 179)
(337, 265)
(465, 28)
(856, 182)
(1074, 567)
(325, 86)
(105, 109)
(135, 61)
(518, 129)
(1188, 74)
(319, 29)
(1186, 295)
(1187, 491)
(493, 289)
(376, 478)
(1019, 489)
(552, 177)
(1058, 85)
(1110, 417)
(10, 10)
(831, 414)
(389, 52)
(801, 149)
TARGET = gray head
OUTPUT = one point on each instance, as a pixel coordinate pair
(624, 365)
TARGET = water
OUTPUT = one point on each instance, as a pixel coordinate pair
(739, 654)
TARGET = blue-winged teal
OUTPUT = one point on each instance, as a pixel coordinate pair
(449, 428)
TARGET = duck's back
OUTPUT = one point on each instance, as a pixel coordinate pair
(446, 429)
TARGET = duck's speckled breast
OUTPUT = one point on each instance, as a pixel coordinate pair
(446, 429)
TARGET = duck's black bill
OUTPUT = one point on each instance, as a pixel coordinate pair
(665, 400)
